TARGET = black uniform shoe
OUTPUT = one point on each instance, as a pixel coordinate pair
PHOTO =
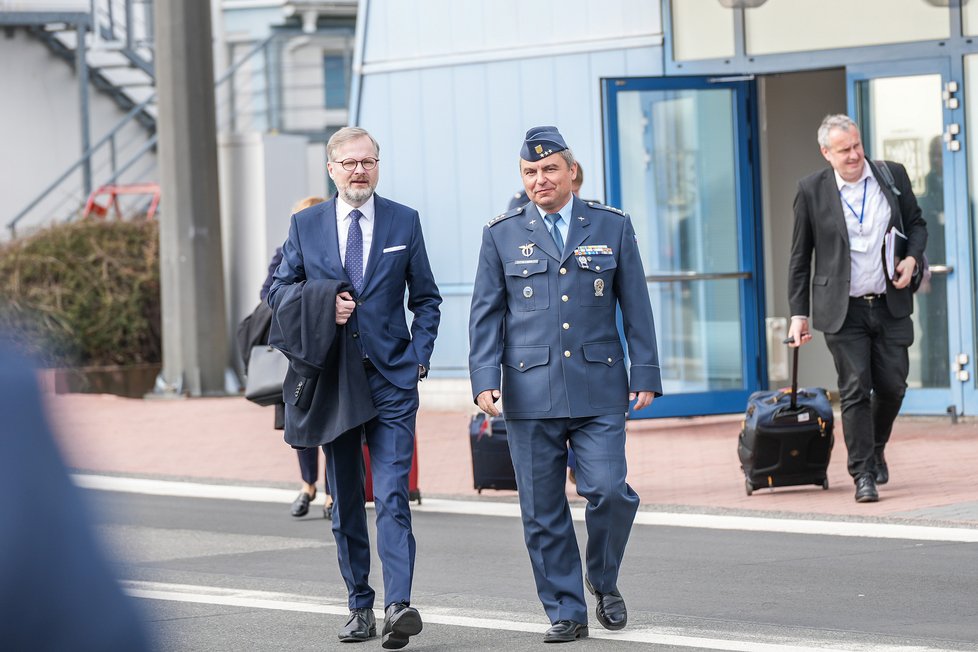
(610, 610)
(300, 506)
(401, 623)
(361, 626)
(565, 631)
(866, 489)
(882, 470)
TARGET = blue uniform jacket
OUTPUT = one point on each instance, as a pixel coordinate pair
(544, 323)
(397, 262)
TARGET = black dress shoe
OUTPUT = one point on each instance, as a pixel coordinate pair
(882, 470)
(610, 610)
(361, 626)
(401, 623)
(565, 631)
(866, 489)
(300, 506)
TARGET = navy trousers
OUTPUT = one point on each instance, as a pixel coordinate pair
(390, 440)
(309, 467)
(539, 451)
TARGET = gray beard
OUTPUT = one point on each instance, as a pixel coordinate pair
(356, 196)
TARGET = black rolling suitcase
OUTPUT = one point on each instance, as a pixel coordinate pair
(492, 467)
(787, 438)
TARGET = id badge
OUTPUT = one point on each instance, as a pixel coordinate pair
(859, 243)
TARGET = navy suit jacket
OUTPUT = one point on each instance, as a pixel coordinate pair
(820, 228)
(544, 322)
(397, 262)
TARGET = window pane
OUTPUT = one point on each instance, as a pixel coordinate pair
(335, 83)
(801, 25)
(903, 121)
(678, 182)
(701, 29)
(969, 18)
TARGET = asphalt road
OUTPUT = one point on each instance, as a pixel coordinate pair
(214, 575)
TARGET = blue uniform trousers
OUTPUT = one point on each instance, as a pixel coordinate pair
(539, 451)
(390, 440)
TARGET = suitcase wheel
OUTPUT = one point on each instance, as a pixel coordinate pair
(748, 486)
(825, 484)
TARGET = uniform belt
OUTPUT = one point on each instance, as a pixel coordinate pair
(868, 297)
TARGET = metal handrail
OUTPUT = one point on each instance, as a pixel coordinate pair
(129, 117)
(680, 277)
(12, 224)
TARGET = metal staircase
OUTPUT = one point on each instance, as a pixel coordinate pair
(119, 52)
(116, 57)
(257, 92)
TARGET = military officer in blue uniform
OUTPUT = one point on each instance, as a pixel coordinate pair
(543, 336)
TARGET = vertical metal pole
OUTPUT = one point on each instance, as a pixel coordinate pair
(232, 100)
(128, 24)
(195, 339)
(81, 69)
(112, 155)
(269, 110)
(109, 5)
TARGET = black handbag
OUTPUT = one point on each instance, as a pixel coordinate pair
(267, 367)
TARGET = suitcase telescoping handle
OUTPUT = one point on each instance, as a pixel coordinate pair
(794, 373)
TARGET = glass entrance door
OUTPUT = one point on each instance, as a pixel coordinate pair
(679, 161)
(906, 113)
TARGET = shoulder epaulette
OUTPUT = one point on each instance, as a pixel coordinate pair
(510, 213)
(604, 207)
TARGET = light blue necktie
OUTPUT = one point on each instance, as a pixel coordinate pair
(354, 251)
(555, 231)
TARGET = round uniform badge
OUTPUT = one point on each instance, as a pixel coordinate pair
(527, 292)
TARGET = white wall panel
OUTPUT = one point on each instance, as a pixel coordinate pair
(399, 30)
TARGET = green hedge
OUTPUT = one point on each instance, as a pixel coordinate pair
(84, 294)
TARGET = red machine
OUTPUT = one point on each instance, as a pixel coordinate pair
(113, 192)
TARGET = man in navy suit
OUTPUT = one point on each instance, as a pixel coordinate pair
(551, 275)
(377, 246)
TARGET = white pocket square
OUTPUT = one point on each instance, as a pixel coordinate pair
(394, 248)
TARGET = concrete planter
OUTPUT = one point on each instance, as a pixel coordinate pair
(132, 381)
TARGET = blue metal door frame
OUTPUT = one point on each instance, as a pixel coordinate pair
(750, 251)
(961, 337)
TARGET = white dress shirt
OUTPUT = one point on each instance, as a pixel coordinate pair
(366, 225)
(563, 222)
(866, 239)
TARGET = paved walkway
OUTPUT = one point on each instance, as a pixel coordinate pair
(674, 464)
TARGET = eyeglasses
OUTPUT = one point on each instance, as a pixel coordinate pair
(351, 164)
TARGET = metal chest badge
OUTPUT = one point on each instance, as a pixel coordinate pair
(598, 287)
(527, 292)
(527, 249)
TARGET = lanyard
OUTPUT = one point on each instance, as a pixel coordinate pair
(862, 210)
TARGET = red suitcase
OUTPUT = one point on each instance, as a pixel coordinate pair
(413, 492)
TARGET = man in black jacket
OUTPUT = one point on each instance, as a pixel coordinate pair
(842, 214)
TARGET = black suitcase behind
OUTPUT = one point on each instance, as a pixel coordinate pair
(492, 467)
(787, 437)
